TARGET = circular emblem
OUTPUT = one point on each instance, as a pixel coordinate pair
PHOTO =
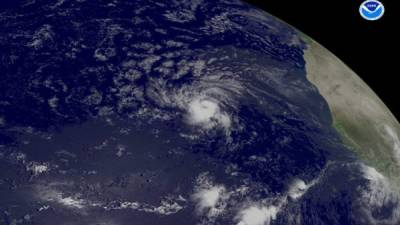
(372, 10)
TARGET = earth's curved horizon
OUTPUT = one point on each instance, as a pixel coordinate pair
(193, 112)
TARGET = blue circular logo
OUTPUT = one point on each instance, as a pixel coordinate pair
(372, 10)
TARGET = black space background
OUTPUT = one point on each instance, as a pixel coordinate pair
(367, 47)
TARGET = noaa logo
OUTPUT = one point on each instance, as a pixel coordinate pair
(372, 10)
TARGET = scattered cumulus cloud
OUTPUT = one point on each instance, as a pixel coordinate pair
(37, 168)
(265, 211)
(215, 200)
(208, 198)
(379, 194)
(298, 188)
(257, 215)
(54, 195)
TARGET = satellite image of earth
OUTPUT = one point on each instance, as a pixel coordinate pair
(185, 112)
